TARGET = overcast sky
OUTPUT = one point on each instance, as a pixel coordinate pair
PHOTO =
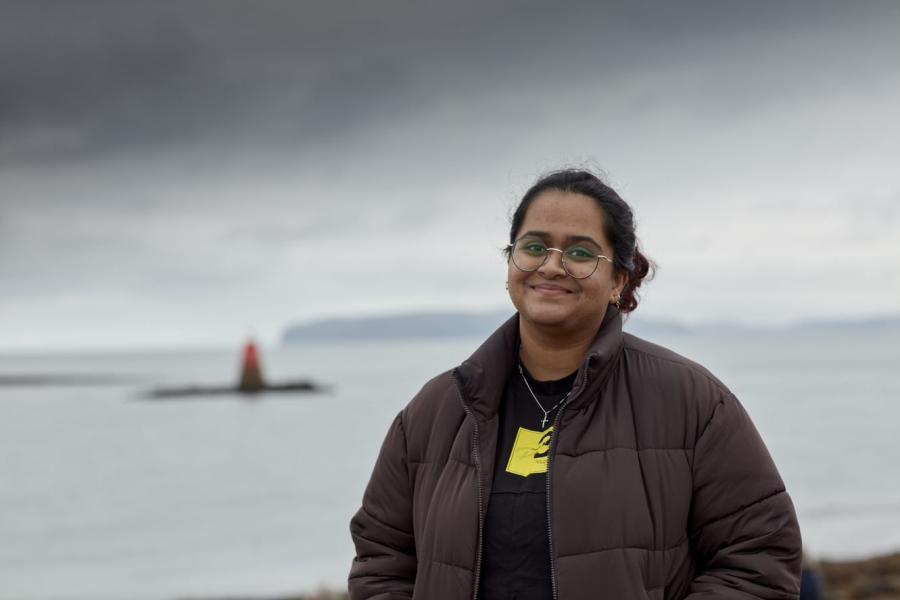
(188, 173)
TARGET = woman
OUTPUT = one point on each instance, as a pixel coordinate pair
(568, 460)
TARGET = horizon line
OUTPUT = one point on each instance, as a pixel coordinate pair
(221, 345)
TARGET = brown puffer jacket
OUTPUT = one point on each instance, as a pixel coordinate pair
(658, 484)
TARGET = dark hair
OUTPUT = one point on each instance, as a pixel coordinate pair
(618, 225)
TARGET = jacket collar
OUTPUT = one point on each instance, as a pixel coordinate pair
(482, 377)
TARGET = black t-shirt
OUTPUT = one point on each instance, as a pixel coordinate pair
(516, 551)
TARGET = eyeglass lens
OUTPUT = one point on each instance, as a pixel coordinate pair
(578, 261)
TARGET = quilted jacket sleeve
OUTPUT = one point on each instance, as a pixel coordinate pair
(743, 528)
(382, 530)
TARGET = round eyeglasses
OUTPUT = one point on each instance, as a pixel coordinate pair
(579, 261)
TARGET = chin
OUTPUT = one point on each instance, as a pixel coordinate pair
(544, 314)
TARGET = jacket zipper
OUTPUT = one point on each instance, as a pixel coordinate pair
(479, 486)
(476, 457)
(550, 452)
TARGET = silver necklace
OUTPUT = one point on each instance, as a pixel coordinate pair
(546, 412)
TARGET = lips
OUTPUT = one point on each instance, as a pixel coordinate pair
(548, 289)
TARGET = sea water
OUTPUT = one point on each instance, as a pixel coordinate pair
(105, 494)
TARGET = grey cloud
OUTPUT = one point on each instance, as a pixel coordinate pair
(78, 80)
(281, 234)
(84, 79)
(165, 148)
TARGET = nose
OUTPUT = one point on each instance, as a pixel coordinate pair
(553, 266)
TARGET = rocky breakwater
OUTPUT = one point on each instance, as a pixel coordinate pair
(876, 578)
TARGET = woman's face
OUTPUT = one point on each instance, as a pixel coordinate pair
(550, 297)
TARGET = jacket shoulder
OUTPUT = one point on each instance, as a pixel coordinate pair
(661, 373)
(668, 363)
(435, 410)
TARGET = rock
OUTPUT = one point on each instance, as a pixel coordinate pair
(876, 578)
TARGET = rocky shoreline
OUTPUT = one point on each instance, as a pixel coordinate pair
(876, 578)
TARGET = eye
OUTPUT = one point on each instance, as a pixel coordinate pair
(580, 253)
(533, 247)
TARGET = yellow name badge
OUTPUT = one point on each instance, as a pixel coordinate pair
(529, 452)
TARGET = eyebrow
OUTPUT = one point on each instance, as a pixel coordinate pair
(569, 239)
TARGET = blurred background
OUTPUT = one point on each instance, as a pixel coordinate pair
(334, 181)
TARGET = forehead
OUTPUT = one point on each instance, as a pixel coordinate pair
(565, 214)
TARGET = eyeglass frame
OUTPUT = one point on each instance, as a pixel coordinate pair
(510, 248)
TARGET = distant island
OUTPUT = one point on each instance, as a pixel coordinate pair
(402, 326)
(479, 325)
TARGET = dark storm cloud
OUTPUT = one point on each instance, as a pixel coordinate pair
(214, 160)
(92, 78)
(89, 78)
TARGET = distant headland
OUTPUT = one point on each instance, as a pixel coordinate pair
(461, 324)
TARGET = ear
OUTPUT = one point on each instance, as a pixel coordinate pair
(621, 282)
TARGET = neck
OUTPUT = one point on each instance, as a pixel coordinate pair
(549, 355)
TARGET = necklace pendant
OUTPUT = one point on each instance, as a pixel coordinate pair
(544, 421)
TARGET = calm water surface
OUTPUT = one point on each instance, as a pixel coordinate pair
(105, 495)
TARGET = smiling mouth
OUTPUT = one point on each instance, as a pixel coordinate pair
(550, 290)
